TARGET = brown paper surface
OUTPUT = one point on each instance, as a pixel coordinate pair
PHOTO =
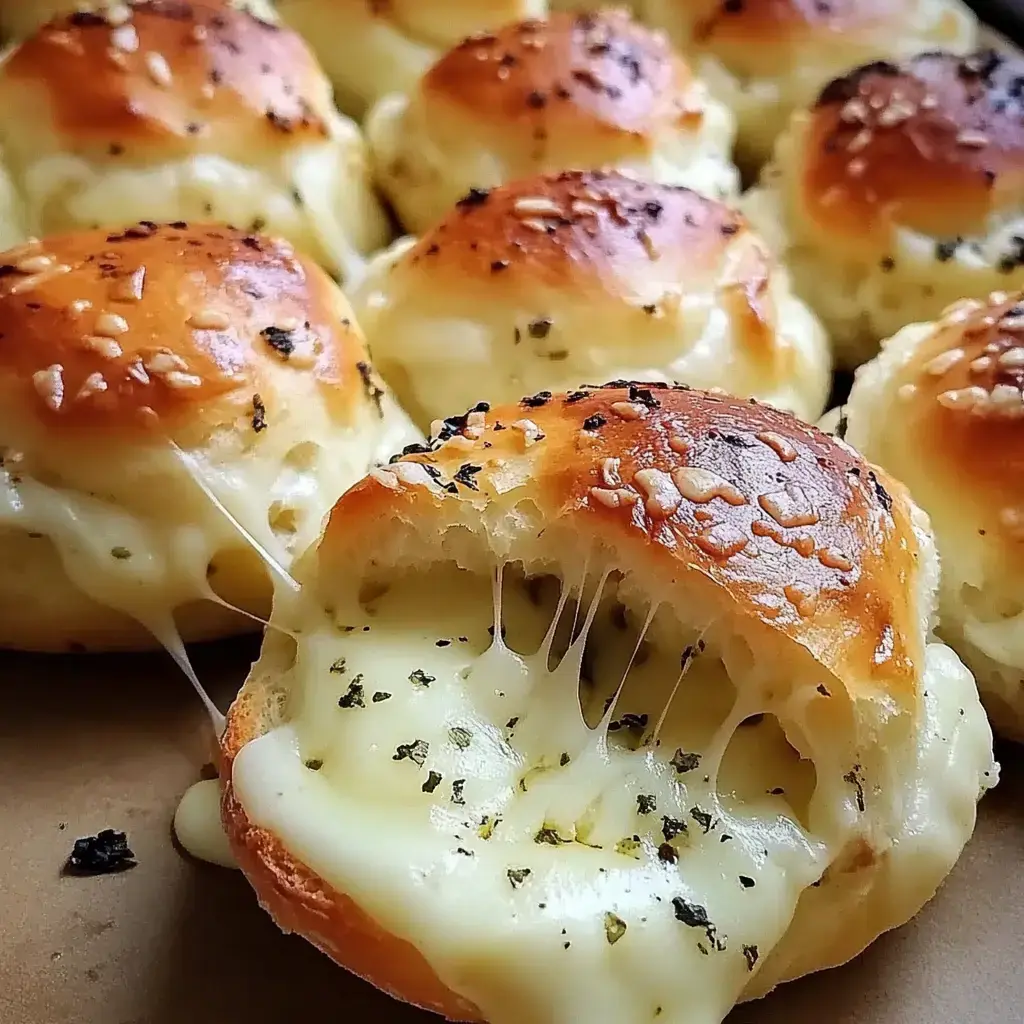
(113, 742)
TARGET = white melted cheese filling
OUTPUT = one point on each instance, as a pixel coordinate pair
(554, 866)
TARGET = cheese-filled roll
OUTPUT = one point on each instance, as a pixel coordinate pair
(580, 90)
(167, 110)
(900, 191)
(179, 407)
(18, 18)
(371, 49)
(942, 408)
(607, 706)
(766, 58)
(592, 275)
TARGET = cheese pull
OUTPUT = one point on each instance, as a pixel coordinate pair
(633, 716)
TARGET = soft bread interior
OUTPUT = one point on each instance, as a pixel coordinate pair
(585, 793)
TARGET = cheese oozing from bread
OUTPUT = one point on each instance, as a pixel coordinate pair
(593, 761)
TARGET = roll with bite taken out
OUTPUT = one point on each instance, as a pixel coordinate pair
(587, 276)
(179, 407)
(943, 408)
(899, 192)
(371, 49)
(184, 111)
(579, 90)
(767, 58)
(607, 706)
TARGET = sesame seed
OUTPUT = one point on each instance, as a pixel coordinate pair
(854, 111)
(106, 347)
(79, 306)
(164, 361)
(1012, 358)
(128, 288)
(856, 167)
(860, 140)
(159, 70)
(209, 320)
(906, 391)
(629, 410)
(610, 473)
(1012, 323)
(662, 495)
(27, 284)
(962, 398)
(34, 264)
(778, 444)
(49, 385)
(110, 325)
(896, 113)
(125, 38)
(137, 371)
(981, 365)
(972, 139)
(1005, 396)
(180, 381)
(540, 226)
(537, 205)
(944, 362)
(386, 479)
(117, 14)
(93, 385)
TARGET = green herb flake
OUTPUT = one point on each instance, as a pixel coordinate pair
(629, 847)
(750, 954)
(564, 759)
(518, 875)
(123, 554)
(487, 826)
(550, 837)
(672, 827)
(747, 882)
(702, 818)
(512, 723)
(460, 737)
(420, 678)
(684, 762)
(646, 804)
(380, 696)
(433, 781)
(693, 915)
(416, 752)
(338, 667)
(314, 764)
(355, 697)
(614, 928)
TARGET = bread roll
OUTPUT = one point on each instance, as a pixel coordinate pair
(371, 49)
(942, 408)
(19, 18)
(577, 91)
(547, 282)
(899, 192)
(172, 111)
(766, 58)
(750, 762)
(173, 401)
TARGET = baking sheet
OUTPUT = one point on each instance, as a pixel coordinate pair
(96, 742)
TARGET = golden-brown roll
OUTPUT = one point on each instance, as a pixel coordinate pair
(578, 276)
(899, 192)
(580, 90)
(371, 49)
(173, 111)
(766, 58)
(942, 408)
(607, 706)
(19, 18)
(174, 401)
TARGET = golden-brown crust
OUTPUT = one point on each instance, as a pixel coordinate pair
(800, 532)
(302, 902)
(960, 400)
(598, 73)
(580, 229)
(936, 144)
(198, 76)
(766, 23)
(97, 328)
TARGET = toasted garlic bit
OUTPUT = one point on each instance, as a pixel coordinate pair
(662, 495)
(701, 486)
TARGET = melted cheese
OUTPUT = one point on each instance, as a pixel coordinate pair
(458, 790)
(317, 196)
(197, 824)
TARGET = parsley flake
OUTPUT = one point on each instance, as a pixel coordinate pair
(684, 762)
(416, 752)
(420, 678)
(460, 737)
(614, 928)
(518, 875)
(645, 803)
(354, 697)
(433, 781)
